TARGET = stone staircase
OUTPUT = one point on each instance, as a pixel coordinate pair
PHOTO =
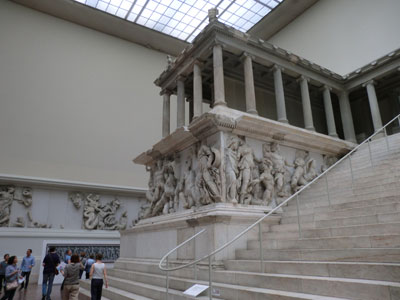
(350, 245)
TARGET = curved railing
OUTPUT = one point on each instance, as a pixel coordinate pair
(164, 259)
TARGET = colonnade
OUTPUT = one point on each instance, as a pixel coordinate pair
(247, 60)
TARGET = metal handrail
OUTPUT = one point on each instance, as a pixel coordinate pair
(258, 222)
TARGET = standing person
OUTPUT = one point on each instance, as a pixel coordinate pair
(11, 278)
(83, 263)
(3, 266)
(28, 262)
(98, 274)
(89, 264)
(50, 263)
(67, 256)
(71, 279)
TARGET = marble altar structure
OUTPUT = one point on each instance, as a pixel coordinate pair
(231, 164)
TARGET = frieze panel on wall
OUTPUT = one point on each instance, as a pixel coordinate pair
(110, 252)
(233, 171)
(11, 195)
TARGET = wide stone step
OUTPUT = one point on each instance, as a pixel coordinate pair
(346, 231)
(291, 216)
(84, 294)
(379, 241)
(360, 270)
(325, 286)
(353, 195)
(388, 255)
(359, 220)
(123, 289)
(291, 209)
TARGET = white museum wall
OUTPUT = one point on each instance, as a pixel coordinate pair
(76, 104)
(326, 33)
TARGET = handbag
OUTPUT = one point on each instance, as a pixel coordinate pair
(12, 285)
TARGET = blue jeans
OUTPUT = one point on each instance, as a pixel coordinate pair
(47, 284)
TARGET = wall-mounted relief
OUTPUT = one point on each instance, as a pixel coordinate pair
(22, 196)
(102, 216)
(240, 172)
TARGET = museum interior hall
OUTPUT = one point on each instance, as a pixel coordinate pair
(200, 149)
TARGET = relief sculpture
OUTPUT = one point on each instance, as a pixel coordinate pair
(249, 180)
(102, 216)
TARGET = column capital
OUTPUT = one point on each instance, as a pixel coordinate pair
(246, 55)
(218, 43)
(325, 87)
(199, 63)
(370, 82)
(181, 78)
(276, 67)
(166, 92)
(303, 78)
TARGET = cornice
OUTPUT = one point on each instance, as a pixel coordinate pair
(224, 119)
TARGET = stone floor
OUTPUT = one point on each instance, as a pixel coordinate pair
(34, 292)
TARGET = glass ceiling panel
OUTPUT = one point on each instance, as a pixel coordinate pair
(184, 19)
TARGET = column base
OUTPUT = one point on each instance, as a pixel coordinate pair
(220, 103)
(334, 135)
(253, 112)
(283, 121)
(310, 128)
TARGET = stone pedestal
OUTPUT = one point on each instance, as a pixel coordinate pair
(154, 237)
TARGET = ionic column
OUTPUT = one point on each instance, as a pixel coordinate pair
(373, 104)
(197, 90)
(218, 68)
(279, 94)
(347, 118)
(249, 84)
(305, 99)
(180, 121)
(166, 113)
(330, 118)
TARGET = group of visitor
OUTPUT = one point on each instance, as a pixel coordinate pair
(12, 276)
(72, 267)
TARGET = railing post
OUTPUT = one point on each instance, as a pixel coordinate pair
(298, 216)
(370, 153)
(167, 283)
(209, 277)
(327, 189)
(261, 248)
(351, 171)
(386, 138)
(195, 272)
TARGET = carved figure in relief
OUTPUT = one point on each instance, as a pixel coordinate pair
(6, 200)
(246, 165)
(232, 169)
(256, 187)
(305, 171)
(279, 164)
(328, 161)
(268, 181)
(77, 199)
(159, 180)
(208, 177)
(26, 199)
(164, 194)
(20, 222)
(91, 219)
(188, 193)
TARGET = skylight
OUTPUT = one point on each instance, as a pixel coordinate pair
(184, 19)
